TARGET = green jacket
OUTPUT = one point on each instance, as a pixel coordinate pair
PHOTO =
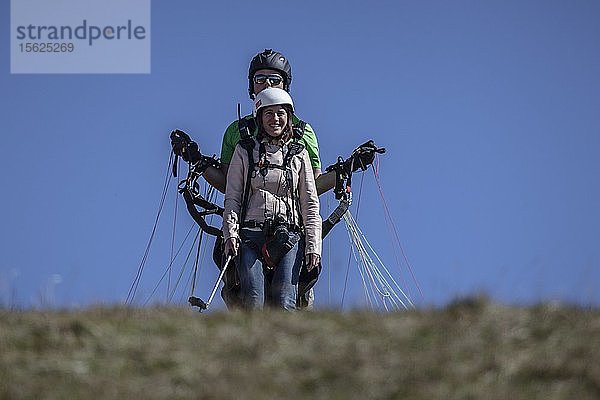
(232, 137)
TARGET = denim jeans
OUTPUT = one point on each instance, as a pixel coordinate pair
(281, 291)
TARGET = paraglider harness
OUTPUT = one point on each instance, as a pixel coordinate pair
(277, 231)
(282, 234)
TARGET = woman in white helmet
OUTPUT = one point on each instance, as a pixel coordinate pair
(271, 218)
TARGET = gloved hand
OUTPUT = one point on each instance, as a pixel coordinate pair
(184, 146)
(231, 247)
(312, 260)
(362, 157)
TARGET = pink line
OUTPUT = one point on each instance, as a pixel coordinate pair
(388, 214)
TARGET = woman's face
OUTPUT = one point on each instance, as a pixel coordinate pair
(274, 120)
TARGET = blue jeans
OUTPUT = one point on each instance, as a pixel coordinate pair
(281, 290)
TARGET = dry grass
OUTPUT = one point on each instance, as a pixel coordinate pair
(470, 350)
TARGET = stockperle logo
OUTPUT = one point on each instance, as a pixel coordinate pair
(80, 36)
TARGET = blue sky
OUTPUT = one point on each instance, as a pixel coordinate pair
(488, 110)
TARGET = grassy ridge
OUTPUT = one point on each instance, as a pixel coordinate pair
(470, 350)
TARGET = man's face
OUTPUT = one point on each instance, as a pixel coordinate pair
(268, 78)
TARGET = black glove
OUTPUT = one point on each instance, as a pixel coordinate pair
(184, 146)
(362, 157)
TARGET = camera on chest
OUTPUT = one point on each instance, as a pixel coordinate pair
(279, 241)
(275, 227)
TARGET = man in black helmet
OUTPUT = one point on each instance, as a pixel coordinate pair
(272, 69)
(268, 69)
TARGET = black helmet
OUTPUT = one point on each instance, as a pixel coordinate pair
(270, 59)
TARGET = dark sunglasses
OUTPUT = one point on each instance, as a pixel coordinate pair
(274, 79)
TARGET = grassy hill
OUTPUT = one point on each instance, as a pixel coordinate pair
(471, 349)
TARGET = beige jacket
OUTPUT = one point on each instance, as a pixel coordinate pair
(269, 196)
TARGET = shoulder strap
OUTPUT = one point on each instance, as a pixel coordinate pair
(294, 147)
(299, 129)
(247, 142)
(246, 126)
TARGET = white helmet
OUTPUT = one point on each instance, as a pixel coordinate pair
(270, 97)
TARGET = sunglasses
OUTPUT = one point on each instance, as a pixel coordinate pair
(274, 80)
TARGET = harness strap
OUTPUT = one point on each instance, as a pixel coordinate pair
(256, 224)
(247, 142)
(298, 129)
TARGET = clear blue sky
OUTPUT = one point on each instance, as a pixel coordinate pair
(488, 110)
